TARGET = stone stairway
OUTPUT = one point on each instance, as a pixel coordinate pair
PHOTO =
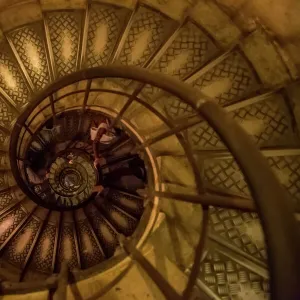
(242, 68)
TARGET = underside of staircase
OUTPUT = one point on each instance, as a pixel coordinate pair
(49, 51)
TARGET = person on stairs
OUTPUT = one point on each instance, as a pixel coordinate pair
(102, 135)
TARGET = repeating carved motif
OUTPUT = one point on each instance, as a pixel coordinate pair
(119, 213)
(121, 222)
(287, 169)
(225, 173)
(188, 52)
(7, 114)
(237, 71)
(44, 251)
(18, 248)
(145, 36)
(11, 79)
(176, 108)
(30, 45)
(64, 28)
(67, 247)
(105, 24)
(106, 235)
(90, 253)
(229, 280)
(6, 198)
(9, 223)
(269, 122)
(241, 229)
(131, 205)
(202, 136)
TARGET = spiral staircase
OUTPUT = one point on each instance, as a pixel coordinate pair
(193, 230)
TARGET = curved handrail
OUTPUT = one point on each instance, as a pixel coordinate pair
(274, 206)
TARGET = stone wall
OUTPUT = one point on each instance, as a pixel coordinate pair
(281, 16)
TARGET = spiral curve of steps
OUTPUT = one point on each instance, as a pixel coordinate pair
(194, 41)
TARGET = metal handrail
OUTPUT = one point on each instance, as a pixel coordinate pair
(274, 206)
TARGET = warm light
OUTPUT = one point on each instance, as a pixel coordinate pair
(33, 54)
(68, 246)
(24, 240)
(6, 224)
(66, 47)
(141, 45)
(45, 248)
(101, 39)
(7, 77)
(180, 61)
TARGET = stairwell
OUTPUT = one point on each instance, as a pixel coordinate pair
(241, 68)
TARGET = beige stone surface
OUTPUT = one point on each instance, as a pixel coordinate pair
(188, 214)
(6, 3)
(177, 170)
(175, 243)
(262, 53)
(281, 16)
(125, 3)
(10, 17)
(32, 296)
(63, 4)
(216, 22)
(175, 9)
(168, 145)
(134, 283)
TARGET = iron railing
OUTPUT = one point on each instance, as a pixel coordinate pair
(270, 199)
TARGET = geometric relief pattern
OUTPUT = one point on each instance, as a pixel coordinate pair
(107, 237)
(277, 129)
(176, 108)
(131, 205)
(64, 28)
(5, 163)
(188, 52)
(11, 79)
(7, 115)
(145, 36)
(242, 229)
(121, 222)
(43, 253)
(29, 43)
(105, 24)
(238, 71)
(6, 198)
(67, 248)
(90, 253)
(9, 223)
(3, 184)
(231, 281)
(148, 93)
(24, 239)
(3, 136)
(225, 173)
(287, 169)
(203, 136)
